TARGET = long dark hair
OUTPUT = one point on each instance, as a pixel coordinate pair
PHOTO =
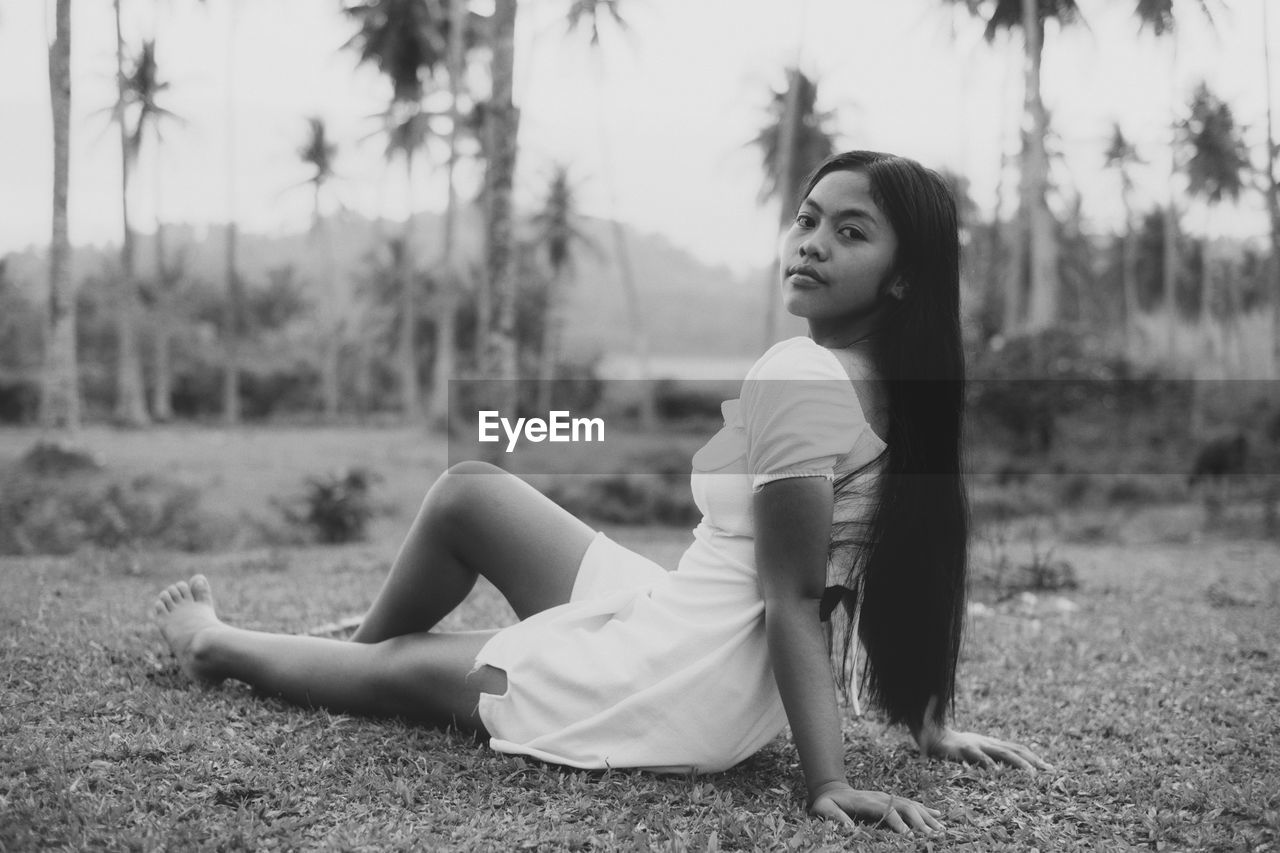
(906, 562)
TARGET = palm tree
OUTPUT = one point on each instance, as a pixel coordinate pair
(319, 153)
(406, 137)
(131, 407)
(557, 231)
(144, 88)
(1218, 159)
(233, 319)
(1160, 16)
(1035, 242)
(796, 137)
(588, 15)
(1273, 201)
(461, 34)
(406, 41)
(1121, 156)
(60, 394)
(502, 127)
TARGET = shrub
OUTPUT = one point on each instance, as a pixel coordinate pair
(1129, 491)
(1028, 384)
(1073, 489)
(1041, 573)
(60, 513)
(334, 507)
(50, 459)
(696, 401)
(19, 400)
(654, 489)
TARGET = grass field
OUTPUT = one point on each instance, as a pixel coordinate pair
(1154, 688)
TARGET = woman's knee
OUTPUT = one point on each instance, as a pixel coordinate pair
(462, 489)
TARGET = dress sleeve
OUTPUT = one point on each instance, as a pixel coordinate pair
(800, 413)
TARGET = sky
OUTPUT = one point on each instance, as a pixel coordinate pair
(655, 127)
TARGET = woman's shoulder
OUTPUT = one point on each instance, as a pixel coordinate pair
(797, 358)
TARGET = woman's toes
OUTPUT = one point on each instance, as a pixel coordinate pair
(200, 589)
(182, 590)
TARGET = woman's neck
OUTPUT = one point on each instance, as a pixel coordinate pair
(856, 339)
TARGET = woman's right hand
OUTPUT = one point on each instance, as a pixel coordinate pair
(841, 803)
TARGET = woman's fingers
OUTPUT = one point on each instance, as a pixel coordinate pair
(1022, 757)
(1010, 756)
(898, 814)
(975, 755)
(830, 811)
(987, 751)
(895, 822)
(915, 816)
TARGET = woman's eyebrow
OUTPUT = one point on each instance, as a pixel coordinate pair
(848, 212)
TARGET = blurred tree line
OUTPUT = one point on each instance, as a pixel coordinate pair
(150, 339)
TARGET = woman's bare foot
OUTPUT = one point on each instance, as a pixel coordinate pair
(186, 618)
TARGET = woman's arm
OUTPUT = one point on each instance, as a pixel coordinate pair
(793, 527)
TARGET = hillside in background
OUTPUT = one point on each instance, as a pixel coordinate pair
(690, 307)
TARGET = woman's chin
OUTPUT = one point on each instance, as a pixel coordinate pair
(796, 303)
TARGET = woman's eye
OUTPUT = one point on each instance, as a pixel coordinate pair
(804, 220)
(852, 233)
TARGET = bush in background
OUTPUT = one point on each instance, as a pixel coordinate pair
(335, 507)
(57, 501)
(653, 489)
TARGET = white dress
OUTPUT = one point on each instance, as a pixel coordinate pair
(669, 671)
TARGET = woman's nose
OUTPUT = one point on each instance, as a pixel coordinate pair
(812, 247)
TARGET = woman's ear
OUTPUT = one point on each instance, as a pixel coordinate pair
(897, 288)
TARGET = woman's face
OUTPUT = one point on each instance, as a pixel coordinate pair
(837, 260)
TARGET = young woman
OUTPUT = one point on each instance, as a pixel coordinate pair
(835, 480)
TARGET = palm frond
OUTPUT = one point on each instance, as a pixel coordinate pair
(1007, 14)
(406, 40)
(814, 135)
(1218, 158)
(588, 14)
(318, 151)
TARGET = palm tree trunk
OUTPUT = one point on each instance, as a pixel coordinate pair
(232, 321)
(451, 281)
(1129, 275)
(787, 192)
(1204, 368)
(1016, 275)
(1169, 268)
(233, 310)
(637, 326)
(1207, 337)
(1273, 204)
(331, 323)
(1042, 308)
(552, 329)
(407, 349)
(131, 408)
(162, 380)
(997, 242)
(502, 130)
(60, 397)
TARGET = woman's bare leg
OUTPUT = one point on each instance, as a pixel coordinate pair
(478, 520)
(417, 676)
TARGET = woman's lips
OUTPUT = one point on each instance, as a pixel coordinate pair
(804, 277)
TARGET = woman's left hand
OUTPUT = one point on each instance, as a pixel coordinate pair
(973, 748)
